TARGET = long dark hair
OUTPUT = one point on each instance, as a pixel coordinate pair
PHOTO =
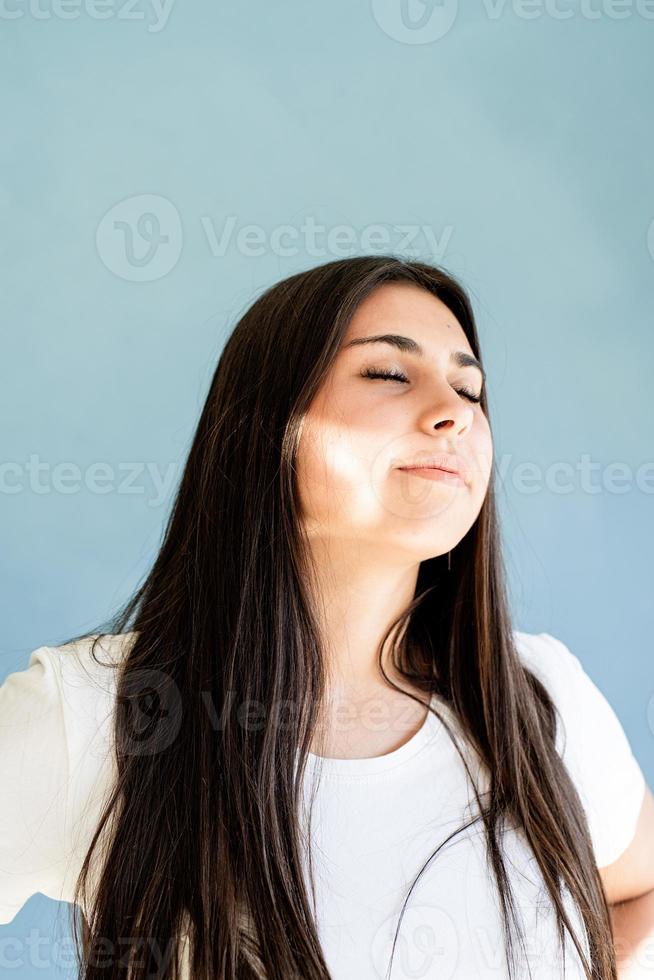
(201, 838)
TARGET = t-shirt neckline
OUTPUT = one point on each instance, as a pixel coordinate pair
(379, 763)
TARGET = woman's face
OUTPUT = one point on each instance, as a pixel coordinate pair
(360, 431)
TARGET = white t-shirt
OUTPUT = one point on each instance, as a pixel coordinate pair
(376, 821)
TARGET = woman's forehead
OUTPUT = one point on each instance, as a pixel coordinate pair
(405, 310)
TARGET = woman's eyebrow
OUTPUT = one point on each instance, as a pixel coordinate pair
(410, 346)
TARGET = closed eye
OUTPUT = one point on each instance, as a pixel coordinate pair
(392, 375)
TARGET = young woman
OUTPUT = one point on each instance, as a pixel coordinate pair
(312, 744)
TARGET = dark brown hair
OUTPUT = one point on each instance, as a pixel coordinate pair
(201, 835)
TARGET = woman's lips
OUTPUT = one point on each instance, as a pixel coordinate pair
(433, 473)
(453, 464)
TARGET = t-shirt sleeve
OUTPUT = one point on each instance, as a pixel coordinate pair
(34, 780)
(596, 751)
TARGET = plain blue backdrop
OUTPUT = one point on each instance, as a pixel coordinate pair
(166, 163)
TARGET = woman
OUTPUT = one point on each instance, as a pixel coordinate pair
(331, 753)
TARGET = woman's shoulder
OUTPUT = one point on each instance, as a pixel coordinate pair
(585, 719)
(89, 655)
(65, 691)
(56, 763)
(82, 674)
(561, 671)
(592, 742)
(545, 653)
(77, 677)
(87, 666)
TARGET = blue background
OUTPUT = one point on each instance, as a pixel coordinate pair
(519, 136)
